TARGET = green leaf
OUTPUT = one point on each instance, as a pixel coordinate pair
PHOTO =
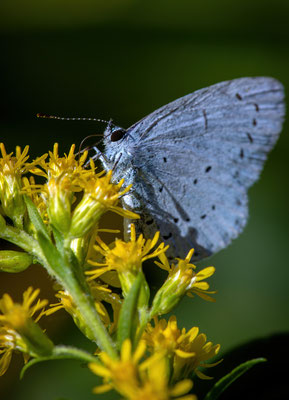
(228, 379)
(61, 353)
(53, 256)
(35, 217)
(128, 311)
(58, 239)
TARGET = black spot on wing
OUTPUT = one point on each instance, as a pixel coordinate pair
(206, 119)
(237, 222)
(195, 181)
(239, 97)
(208, 169)
(166, 237)
(250, 138)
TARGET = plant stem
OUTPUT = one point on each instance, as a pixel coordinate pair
(74, 353)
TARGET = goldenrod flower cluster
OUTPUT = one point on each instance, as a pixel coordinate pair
(50, 208)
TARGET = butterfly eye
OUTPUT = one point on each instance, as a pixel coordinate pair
(117, 134)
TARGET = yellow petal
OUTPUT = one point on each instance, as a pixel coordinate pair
(181, 387)
(102, 389)
(100, 370)
(185, 354)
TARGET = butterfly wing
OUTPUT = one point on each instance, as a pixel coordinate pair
(195, 158)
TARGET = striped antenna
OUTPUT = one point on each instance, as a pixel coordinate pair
(40, 115)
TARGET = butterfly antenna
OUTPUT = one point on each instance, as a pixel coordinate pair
(48, 116)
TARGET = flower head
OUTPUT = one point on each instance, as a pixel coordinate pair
(101, 293)
(100, 196)
(193, 352)
(75, 195)
(188, 350)
(121, 374)
(18, 331)
(56, 166)
(64, 176)
(149, 379)
(126, 257)
(182, 280)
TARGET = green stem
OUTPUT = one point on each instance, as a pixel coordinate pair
(74, 353)
(21, 239)
(27, 243)
(85, 304)
(144, 320)
(67, 272)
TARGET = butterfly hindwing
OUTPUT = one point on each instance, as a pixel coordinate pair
(194, 159)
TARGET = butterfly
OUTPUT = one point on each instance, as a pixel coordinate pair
(192, 161)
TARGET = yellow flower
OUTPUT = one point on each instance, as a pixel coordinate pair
(163, 336)
(155, 384)
(67, 176)
(11, 170)
(67, 303)
(17, 329)
(56, 165)
(64, 176)
(182, 280)
(122, 374)
(139, 381)
(126, 257)
(193, 352)
(185, 275)
(100, 196)
(188, 350)
(100, 293)
(10, 341)
(26, 309)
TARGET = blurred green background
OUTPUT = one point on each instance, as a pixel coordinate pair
(122, 59)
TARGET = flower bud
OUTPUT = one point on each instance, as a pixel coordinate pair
(11, 198)
(59, 203)
(14, 261)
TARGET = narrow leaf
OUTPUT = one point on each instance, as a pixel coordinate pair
(53, 256)
(228, 379)
(58, 239)
(61, 353)
(128, 312)
(35, 217)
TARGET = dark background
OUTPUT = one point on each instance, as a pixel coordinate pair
(121, 60)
